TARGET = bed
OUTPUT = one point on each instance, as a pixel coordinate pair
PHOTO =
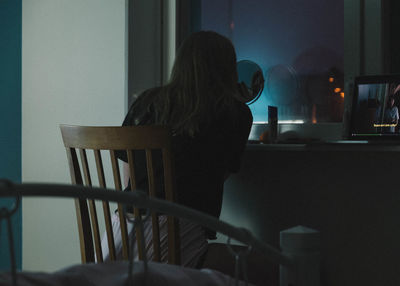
(294, 270)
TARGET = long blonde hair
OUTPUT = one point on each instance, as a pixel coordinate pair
(203, 83)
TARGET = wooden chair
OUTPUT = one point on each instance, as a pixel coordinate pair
(80, 139)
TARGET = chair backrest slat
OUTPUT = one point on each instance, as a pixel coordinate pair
(122, 218)
(132, 177)
(85, 233)
(85, 168)
(150, 173)
(131, 164)
(76, 176)
(172, 223)
(106, 207)
(116, 172)
(154, 217)
(99, 168)
(116, 140)
(92, 206)
(96, 230)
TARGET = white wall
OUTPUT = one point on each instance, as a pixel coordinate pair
(73, 72)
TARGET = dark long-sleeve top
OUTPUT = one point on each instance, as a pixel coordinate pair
(201, 161)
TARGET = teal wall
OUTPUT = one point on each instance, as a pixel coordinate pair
(10, 115)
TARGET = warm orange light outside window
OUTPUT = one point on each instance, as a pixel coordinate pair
(342, 94)
(337, 90)
(314, 114)
(331, 79)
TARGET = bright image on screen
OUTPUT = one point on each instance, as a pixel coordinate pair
(377, 110)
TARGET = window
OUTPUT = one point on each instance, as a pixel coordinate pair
(299, 46)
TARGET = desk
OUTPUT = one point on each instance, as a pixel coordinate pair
(348, 192)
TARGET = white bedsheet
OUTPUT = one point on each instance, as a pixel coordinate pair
(116, 273)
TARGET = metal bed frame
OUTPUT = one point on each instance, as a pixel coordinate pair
(290, 264)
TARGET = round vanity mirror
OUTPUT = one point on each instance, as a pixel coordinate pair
(251, 75)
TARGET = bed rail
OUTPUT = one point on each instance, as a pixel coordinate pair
(141, 200)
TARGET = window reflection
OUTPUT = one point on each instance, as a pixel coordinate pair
(299, 46)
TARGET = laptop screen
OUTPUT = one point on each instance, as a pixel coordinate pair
(375, 109)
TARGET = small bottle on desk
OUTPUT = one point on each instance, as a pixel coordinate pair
(273, 123)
